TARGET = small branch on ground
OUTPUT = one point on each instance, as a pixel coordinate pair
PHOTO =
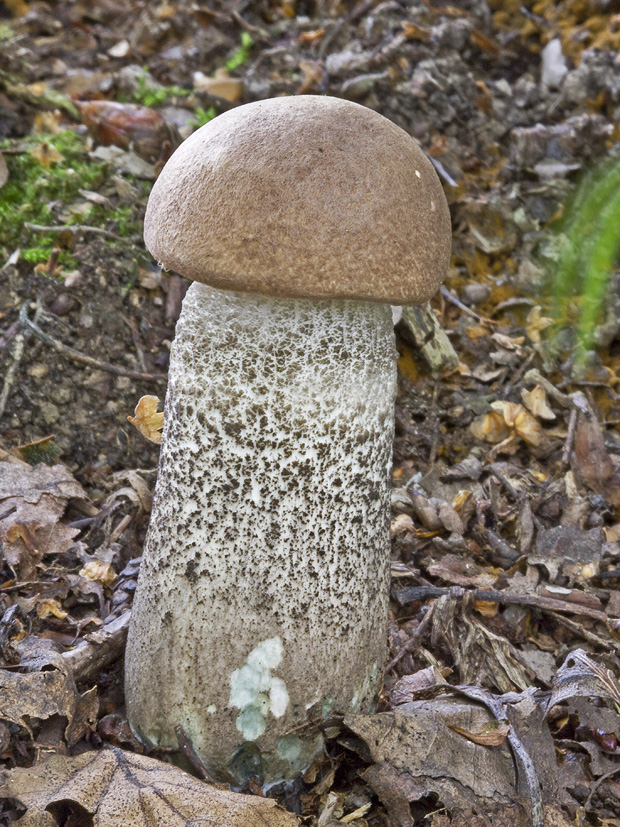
(76, 229)
(105, 646)
(82, 358)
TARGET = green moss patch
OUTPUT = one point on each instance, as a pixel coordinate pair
(46, 174)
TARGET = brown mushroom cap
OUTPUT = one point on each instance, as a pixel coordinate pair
(305, 196)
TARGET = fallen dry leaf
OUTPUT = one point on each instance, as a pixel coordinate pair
(536, 402)
(21, 480)
(404, 689)
(221, 85)
(147, 419)
(535, 324)
(417, 753)
(37, 694)
(46, 155)
(593, 461)
(48, 606)
(32, 503)
(490, 734)
(114, 788)
(519, 419)
(129, 126)
(99, 572)
(490, 427)
(401, 524)
(579, 675)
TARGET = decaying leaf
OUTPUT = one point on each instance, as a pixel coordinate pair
(536, 402)
(490, 427)
(520, 420)
(483, 657)
(567, 549)
(461, 571)
(221, 85)
(401, 524)
(592, 459)
(48, 606)
(147, 419)
(404, 689)
(579, 675)
(490, 734)
(20, 480)
(99, 572)
(535, 324)
(506, 422)
(32, 503)
(37, 694)
(113, 788)
(416, 753)
(46, 154)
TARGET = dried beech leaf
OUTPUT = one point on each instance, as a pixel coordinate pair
(113, 788)
(46, 155)
(48, 606)
(221, 85)
(536, 402)
(147, 419)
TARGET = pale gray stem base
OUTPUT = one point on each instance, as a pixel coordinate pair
(261, 607)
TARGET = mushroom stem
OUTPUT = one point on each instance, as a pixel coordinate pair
(262, 602)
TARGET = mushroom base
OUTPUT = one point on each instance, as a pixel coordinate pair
(261, 608)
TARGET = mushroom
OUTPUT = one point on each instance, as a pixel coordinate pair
(261, 607)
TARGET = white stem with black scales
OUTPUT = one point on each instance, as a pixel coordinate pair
(262, 600)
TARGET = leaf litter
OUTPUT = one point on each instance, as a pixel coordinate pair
(506, 532)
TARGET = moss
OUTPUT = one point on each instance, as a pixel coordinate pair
(203, 116)
(241, 54)
(156, 95)
(48, 171)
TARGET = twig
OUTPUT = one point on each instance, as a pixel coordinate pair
(519, 373)
(458, 303)
(17, 354)
(436, 429)
(535, 377)
(135, 335)
(413, 640)
(187, 748)
(89, 657)
(517, 497)
(545, 604)
(570, 438)
(75, 229)
(77, 356)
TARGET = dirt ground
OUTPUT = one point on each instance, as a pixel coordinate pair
(504, 630)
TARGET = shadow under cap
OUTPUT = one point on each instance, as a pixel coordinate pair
(307, 196)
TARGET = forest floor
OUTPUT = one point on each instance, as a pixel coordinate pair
(501, 696)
